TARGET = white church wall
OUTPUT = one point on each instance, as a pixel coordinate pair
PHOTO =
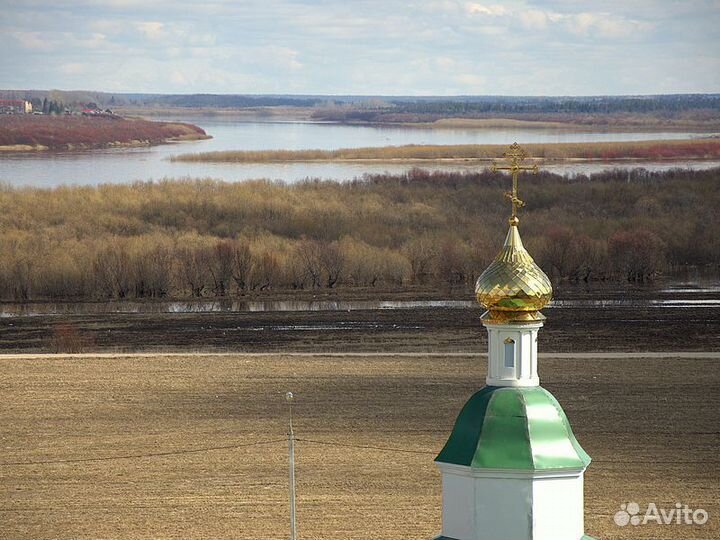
(487, 504)
(503, 508)
(458, 513)
(558, 508)
(481, 504)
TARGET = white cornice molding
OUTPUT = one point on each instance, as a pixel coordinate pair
(473, 472)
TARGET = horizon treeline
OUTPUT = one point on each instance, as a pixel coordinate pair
(657, 104)
(196, 238)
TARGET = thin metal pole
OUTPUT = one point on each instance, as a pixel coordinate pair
(291, 448)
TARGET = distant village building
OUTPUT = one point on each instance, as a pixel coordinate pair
(512, 468)
(15, 106)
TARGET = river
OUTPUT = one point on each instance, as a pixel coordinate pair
(123, 165)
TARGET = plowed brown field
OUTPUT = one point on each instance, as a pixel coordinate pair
(151, 447)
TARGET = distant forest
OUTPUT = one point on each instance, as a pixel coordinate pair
(595, 110)
(472, 106)
(198, 238)
(366, 106)
(598, 104)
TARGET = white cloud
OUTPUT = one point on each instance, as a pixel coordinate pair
(35, 41)
(599, 24)
(108, 26)
(171, 35)
(489, 30)
(494, 10)
(53, 41)
(605, 25)
(537, 19)
(282, 57)
(73, 68)
(152, 30)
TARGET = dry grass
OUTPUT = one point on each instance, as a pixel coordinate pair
(639, 419)
(673, 149)
(29, 132)
(500, 123)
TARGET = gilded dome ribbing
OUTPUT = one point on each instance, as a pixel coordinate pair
(513, 287)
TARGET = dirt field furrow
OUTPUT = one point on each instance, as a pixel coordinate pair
(164, 447)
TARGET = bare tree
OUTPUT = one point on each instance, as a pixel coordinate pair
(113, 270)
(220, 265)
(332, 262)
(308, 252)
(242, 261)
(21, 277)
(295, 273)
(265, 271)
(451, 267)
(192, 263)
(421, 254)
(152, 270)
(363, 263)
(638, 254)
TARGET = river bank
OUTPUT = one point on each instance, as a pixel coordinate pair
(40, 133)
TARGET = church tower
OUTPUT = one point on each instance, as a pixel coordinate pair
(512, 468)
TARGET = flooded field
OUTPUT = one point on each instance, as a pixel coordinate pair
(36, 309)
(678, 295)
(610, 319)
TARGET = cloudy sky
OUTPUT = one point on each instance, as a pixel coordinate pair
(426, 47)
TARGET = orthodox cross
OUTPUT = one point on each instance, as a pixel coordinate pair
(515, 156)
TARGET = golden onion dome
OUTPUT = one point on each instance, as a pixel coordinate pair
(513, 287)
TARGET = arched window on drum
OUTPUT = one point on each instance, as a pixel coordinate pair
(509, 357)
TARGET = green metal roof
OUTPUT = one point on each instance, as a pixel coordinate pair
(513, 428)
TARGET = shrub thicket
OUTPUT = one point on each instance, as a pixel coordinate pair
(179, 238)
(662, 149)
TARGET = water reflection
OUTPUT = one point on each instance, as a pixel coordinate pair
(341, 326)
(11, 310)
